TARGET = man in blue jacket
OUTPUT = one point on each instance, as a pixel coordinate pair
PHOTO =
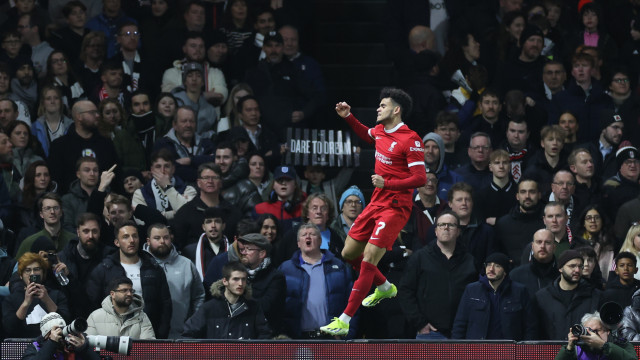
(318, 287)
(495, 307)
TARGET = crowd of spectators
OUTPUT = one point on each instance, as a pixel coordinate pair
(144, 188)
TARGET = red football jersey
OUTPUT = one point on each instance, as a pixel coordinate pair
(397, 150)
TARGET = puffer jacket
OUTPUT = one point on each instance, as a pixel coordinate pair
(631, 319)
(134, 323)
(243, 195)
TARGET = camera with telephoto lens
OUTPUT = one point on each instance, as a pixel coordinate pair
(77, 326)
(116, 344)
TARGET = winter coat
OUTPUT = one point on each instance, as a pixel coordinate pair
(17, 328)
(134, 322)
(631, 319)
(554, 318)
(79, 271)
(66, 150)
(187, 223)
(476, 311)
(216, 320)
(243, 195)
(47, 349)
(268, 287)
(622, 294)
(187, 292)
(338, 283)
(515, 230)
(433, 285)
(155, 290)
(535, 275)
(74, 203)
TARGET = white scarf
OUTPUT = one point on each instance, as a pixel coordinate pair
(162, 201)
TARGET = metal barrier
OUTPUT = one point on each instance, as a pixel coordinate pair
(320, 350)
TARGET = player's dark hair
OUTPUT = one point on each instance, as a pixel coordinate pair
(399, 97)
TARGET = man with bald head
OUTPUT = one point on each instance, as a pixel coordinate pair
(541, 269)
(81, 140)
(421, 38)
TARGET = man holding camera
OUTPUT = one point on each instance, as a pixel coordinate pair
(593, 342)
(53, 344)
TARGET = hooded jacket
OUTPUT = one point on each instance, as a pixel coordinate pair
(134, 322)
(216, 320)
(187, 292)
(446, 177)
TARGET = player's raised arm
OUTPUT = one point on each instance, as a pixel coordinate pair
(344, 111)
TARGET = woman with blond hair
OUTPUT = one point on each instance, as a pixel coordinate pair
(52, 123)
(632, 243)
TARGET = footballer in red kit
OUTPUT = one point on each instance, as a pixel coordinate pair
(399, 169)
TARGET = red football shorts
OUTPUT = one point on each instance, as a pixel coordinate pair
(380, 225)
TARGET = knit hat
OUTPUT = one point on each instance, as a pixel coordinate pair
(284, 172)
(49, 321)
(608, 117)
(129, 171)
(500, 259)
(257, 240)
(189, 67)
(354, 190)
(625, 153)
(529, 31)
(567, 256)
(42, 243)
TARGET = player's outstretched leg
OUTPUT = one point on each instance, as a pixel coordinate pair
(340, 326)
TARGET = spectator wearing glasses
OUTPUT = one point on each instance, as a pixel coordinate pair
(562, 303)
(148, 278)
(476, 173)
(121, 313)
(50, 206)
(430, 306)
(351, 205)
